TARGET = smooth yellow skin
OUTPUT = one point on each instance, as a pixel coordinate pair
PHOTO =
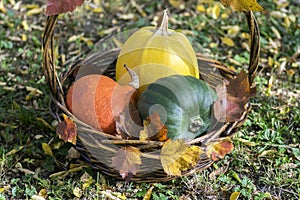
(153, 55)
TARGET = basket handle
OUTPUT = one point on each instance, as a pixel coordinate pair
(49, 57)
(254, 45)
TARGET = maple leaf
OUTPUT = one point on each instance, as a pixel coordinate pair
(176, 156)
(127, 161)
(232, 98)
(243, 5)
(217, 150)
(55, 7)
(154, 129)
(66, 130)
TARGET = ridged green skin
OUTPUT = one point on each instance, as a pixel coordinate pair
(178, 100)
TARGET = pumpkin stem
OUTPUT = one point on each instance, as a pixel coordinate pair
(196, 123)
(135, 83)
(162, 23)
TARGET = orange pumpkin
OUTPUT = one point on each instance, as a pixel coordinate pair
(97, 100)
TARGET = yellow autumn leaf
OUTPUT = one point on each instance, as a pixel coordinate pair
(25, 25)
(218, 149)
(228, 41)
(276, 32)
(233, 30)
(213, 45)
(176, 156)
(14, 151)
(75, 37)
(87, 180)
(243, 5)
(234, 196)
(34, 11)
(224, 16)
(31, 6)
(245, 35)
(216, 11)
(2, 8)
(24, 37)
(201, 8)
(77, 192)
(59, 174)
(177, 4)
(47, 149)
(43, 193)
(287, 22)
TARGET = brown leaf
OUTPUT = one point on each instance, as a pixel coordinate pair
(127, 161)
(243, 5)
(217, 150)
(55, 7)
(220, 103)
(154, 129)
(239, 87)
(176, 156)
(232, 98)
(66, 130)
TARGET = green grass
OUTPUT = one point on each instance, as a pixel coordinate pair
(265, 163)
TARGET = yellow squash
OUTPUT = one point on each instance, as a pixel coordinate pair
(156, 52)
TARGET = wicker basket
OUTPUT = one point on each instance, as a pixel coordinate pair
(97, 148)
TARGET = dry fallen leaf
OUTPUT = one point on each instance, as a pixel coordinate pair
(217, 150)
(127, 161)
(66, 130)
(55, 7)
(176, 156)
(232, 98)
(47, 149)
(87, 180)
(154, 129)
(77, 192)
(228, 41)
(243, 5)
(234, 196)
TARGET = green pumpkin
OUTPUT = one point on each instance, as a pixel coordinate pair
(183, 103)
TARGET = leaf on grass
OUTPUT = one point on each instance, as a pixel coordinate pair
(234, 196)
(77, 192)
(179, 4)
(43, 193)
(232, 98)
(228, 41)
(14, 151)
(66, 130)
(243, 5)
(47, 149)
(55, 7)
(72, 154)
(154, 129)
(148, 194)
(217, 150)
(2, 8)
(127, 161)
(87, 180)
(176, 156)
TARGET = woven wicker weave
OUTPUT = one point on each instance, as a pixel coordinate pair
(97, 148)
